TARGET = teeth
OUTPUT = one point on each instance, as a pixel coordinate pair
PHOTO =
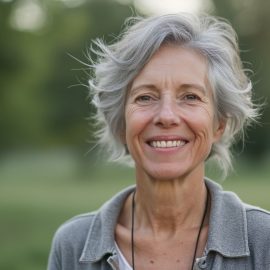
(167, 144)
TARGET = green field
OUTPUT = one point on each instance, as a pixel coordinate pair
(39, 192)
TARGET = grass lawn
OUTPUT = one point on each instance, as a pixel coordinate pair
(39, 192)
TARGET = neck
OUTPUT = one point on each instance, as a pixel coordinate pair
(167, 206)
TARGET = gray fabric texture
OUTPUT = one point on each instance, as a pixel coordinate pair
(238, 237)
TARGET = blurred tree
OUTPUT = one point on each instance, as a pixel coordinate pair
(251, 19)
(39, 108)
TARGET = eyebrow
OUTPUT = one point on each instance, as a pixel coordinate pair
(196, 86)
(134, 90)
(152, 87)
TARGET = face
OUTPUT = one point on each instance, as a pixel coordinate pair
(170, 123)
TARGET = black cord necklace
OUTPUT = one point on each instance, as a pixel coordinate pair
(133, 221)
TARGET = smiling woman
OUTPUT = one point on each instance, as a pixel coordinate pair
(213, 40)
(170, 94)
(169, 115)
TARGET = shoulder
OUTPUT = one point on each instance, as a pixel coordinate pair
(258, 226)
(255, 211)
(86, 237)
(258, 221)
(68, 242)
(75, 229)
(69, 239)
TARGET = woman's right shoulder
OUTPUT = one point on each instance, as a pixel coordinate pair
(69, 240)
(76, 227)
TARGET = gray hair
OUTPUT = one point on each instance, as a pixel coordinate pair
(118, 64)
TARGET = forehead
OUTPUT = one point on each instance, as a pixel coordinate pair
(174, 63)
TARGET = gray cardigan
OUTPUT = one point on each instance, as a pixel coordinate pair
(238, 238)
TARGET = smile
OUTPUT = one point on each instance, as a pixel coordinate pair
(167, 144)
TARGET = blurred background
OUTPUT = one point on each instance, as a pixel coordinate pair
(49, 169)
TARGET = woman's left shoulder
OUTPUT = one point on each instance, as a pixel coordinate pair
(258, 223)
(257, 216)
(258, 229)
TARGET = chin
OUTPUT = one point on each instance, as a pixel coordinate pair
(166, 174)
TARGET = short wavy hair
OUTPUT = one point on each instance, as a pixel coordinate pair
(118, 64)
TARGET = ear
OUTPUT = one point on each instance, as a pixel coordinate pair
(219, 129)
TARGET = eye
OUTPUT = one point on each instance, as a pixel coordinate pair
(191, 97)
(144, 99)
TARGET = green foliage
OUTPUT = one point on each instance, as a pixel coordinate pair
(42, 102)
(251, 19)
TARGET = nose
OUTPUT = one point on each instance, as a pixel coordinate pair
(167, 114)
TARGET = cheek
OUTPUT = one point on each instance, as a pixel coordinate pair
(199, 117)
(135, 120)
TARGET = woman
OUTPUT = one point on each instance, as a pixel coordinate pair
(170, 94)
